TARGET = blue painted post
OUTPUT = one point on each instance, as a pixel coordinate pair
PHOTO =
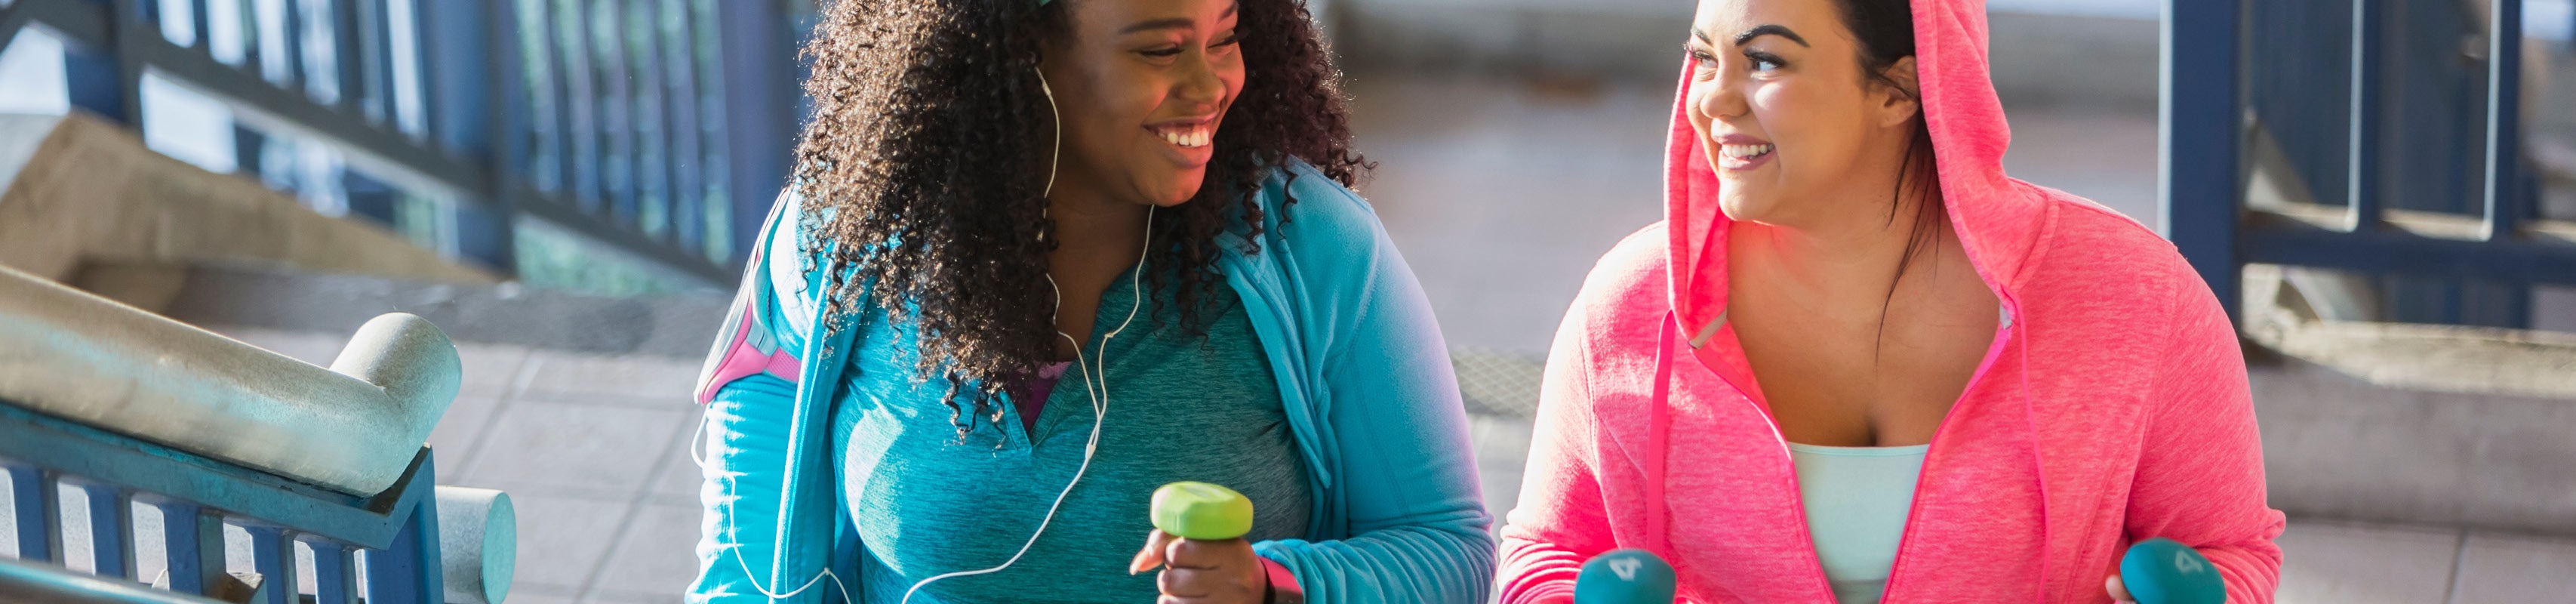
(199, 14)
(32, 499)
(2202, 119)
(2362, 172)
(272, 555)
(335, 572)
(2504, 120)
(617, 117)
(93, 74)
(759, 84)
(192, 540)
(408, 572)
(462, 85)
(111, 529)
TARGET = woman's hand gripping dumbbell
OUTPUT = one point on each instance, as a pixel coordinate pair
(1198, 542)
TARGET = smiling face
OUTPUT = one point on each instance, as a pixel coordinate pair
(1797, 131)
(1140, 86)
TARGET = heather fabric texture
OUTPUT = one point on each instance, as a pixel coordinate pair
(1362, 373)
(1179, 407)
(2112, 407)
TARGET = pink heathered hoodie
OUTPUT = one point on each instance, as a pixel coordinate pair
(2112, 407)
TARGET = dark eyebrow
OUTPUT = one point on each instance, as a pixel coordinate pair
(1172, 23)
(1768, 30)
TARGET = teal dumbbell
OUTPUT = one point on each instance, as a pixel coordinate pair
(2164, 571)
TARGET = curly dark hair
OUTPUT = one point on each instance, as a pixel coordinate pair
(923, 167)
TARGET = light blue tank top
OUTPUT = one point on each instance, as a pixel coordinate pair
(1857, 500)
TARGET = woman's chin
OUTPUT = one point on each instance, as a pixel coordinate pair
(1741, 206)
(1177, 189)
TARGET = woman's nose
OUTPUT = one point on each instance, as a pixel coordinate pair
(1719, 98)
(1200, 81)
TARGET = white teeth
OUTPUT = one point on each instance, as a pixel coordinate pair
(1188, 139)
(1744, 151)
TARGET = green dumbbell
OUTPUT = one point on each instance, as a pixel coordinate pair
(1202, 511)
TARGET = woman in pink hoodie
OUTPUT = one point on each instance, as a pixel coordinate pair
(1858, 362)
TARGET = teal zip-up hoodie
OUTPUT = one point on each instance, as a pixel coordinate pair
(1369, 395)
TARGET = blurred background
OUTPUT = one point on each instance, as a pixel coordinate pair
(2383, 191)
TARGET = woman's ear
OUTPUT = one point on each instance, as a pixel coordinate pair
(1904, 90)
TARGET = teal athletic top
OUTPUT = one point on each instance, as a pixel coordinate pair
(1857, 500)
(1372, 409)
(1180, 408)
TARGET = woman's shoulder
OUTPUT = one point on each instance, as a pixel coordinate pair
(1322, 208)
(2098, 258)
(1625, 297)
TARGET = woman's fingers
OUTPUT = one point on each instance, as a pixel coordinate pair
(1192, 553)
(1186, 583)
(1210, 572)
(1152, 555)
(2118, 591)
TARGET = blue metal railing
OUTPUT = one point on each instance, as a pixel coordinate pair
(390, 539)
(659, 127)
(2444, 205)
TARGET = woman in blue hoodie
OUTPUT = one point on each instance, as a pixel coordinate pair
(1043, 257)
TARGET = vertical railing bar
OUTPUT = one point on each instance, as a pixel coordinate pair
(2362, 171)
(354, 42)
(375, 22)
(618, 116)
(707, 50)
(652, 88)
(134, 28)
(192, 545)
(291, 17)
(2201, 113)
(688, 195)
(581, 99)
(561, 110)
(111, 529)
(205, 27)
(335, 572)
(2504, 123)
(272, 555)
(408, 571)
(33, 499)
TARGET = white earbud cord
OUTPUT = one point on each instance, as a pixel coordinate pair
(1098, 391)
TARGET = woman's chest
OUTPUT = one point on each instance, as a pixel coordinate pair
(1862, 381)
(1740, 527)
(1159, 407)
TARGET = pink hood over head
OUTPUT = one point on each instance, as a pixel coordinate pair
(1996, 220)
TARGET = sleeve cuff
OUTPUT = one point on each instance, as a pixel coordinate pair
(1283, 583)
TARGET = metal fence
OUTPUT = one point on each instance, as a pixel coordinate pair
(2403, 117)
(197, 497)
(657, 128)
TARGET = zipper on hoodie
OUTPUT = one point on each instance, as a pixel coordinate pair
(1914, 508)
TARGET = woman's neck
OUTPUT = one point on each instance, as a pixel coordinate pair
(1089, 225)
(1853, 256)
